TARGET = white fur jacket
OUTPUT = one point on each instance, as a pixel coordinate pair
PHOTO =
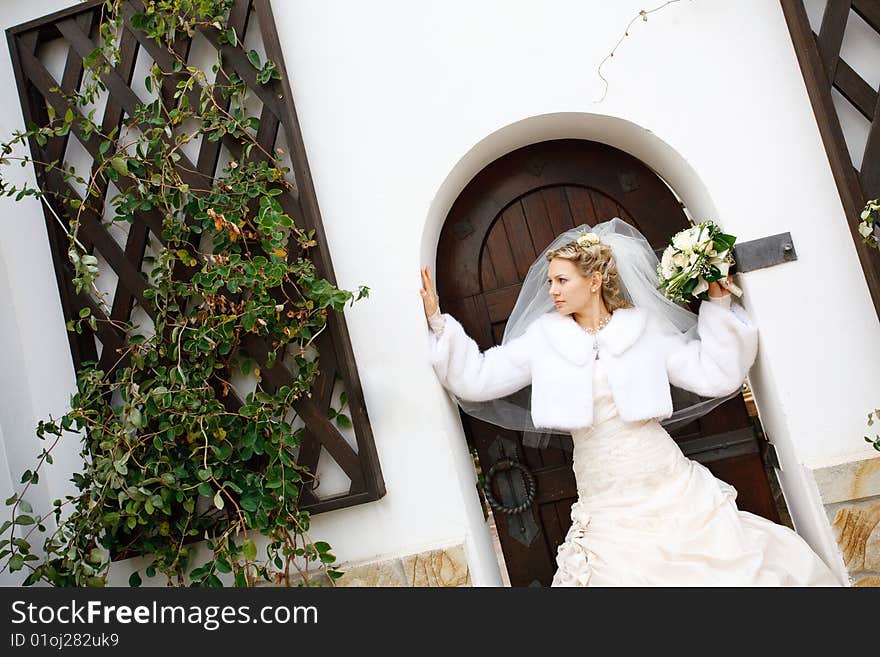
(556, 356)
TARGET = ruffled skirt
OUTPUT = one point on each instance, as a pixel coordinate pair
(646, 515)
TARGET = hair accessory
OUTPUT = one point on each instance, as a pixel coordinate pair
(586, 240)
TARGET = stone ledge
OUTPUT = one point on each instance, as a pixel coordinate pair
(856, 527)
(850, 493)
(853, 480)
(441, 567)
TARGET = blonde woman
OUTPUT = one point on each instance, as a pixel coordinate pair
(600, 347)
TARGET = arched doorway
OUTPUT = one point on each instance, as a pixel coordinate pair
(496, 228)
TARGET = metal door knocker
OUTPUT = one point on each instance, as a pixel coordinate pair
(509, 464)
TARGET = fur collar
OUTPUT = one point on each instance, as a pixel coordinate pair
(576, 345)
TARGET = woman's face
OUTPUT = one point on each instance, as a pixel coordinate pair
(570, 291)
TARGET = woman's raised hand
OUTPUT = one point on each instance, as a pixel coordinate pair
(719, 288)
(429, 295)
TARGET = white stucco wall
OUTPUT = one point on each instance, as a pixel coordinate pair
(401, 104)
(37, 375)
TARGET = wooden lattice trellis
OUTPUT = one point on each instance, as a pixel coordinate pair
(75, 31)
(823, 69)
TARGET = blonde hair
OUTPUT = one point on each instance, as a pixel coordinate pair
(589, 259)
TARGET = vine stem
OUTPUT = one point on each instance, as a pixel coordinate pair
(21, 497)
(643, 14)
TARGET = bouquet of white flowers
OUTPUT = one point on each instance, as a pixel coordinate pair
(694, 258)
(869, 226)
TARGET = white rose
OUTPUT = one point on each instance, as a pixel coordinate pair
(667, 267)
(683, 241)
(865, 229)
(680, 260)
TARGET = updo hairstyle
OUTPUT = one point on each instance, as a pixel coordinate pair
(596, 257)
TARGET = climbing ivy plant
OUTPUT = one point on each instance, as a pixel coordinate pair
(166, 466)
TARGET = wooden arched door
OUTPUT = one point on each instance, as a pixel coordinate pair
(497, 227)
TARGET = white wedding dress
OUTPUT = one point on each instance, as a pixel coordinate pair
(646, 515)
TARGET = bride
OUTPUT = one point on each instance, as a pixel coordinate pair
(600, 347)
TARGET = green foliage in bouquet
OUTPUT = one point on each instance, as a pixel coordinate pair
(165, 463)
(694, 258)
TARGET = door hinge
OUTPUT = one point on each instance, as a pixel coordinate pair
(770, 455)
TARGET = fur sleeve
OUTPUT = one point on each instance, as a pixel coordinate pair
(474, 376)
(717, 362)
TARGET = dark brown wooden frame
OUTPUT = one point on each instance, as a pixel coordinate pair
(822, 67)
(77, 26)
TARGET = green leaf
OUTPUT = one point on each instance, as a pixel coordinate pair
(135, 579)
(136, 419)
(254, 58)
(250, 501)
(120, 165)
(249, 548)
(25, 506)
(16, 562)
(31, 579)
(218, 500)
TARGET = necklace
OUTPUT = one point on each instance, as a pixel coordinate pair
(602, 324)
(595, 333)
